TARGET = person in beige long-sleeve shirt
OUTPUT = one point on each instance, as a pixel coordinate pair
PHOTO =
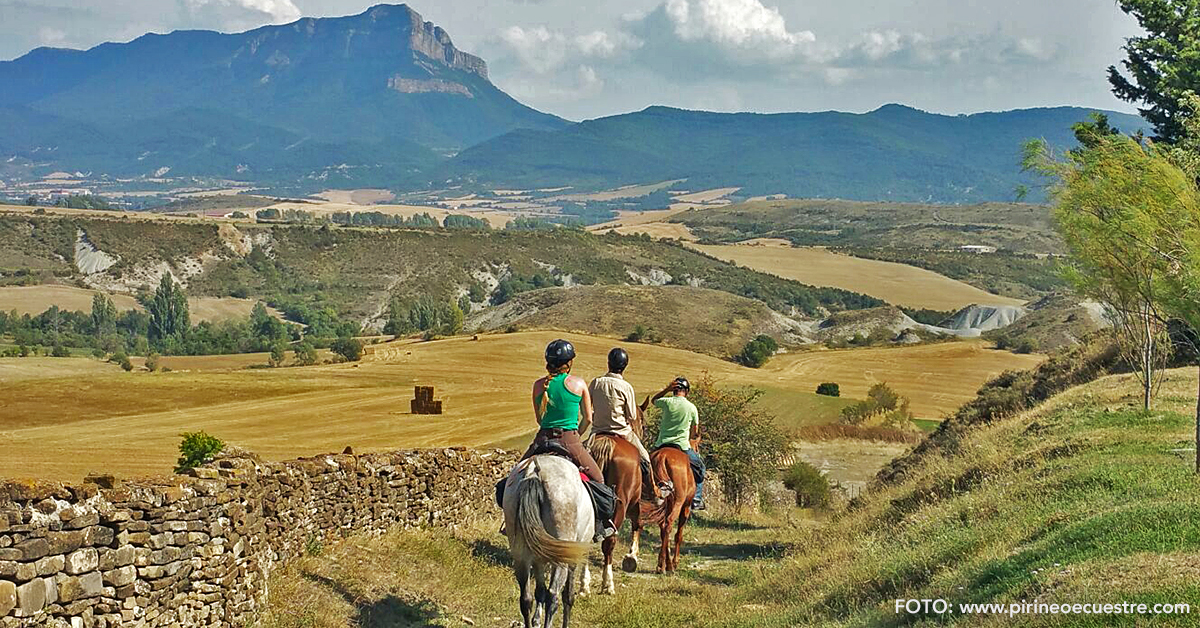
(614, 410)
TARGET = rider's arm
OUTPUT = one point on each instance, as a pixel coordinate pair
(663, 393)
(539, 387)
(585, 411)
(694, 434)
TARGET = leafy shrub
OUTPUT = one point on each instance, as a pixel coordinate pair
(829, 389)
(278, 354)
(305, 354)
(127, 365)
(1026, 346)
(349, 349)
(60, 351)
(758, 351)
(811, 486)
(642, 333)
(197, 448)
(152, 362)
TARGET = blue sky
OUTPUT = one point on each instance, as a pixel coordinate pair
(588, 58)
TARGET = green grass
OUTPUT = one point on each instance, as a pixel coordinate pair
(927, 425)
(794, 409)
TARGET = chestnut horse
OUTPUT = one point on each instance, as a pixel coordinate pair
(621, 465)
(673, 464)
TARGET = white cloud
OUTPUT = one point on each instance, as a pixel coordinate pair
(241, 13)
(543, 51)
(735, 24)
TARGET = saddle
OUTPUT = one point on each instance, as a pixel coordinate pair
(554, 448)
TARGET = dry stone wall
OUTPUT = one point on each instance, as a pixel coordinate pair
(197, 550)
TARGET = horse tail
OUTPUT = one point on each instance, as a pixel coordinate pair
(531, 494)
(602, 449)
(652, 513)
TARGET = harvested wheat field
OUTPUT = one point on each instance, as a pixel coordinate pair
(66, 424)
(937, 378)
(898, 284)
(34, 300)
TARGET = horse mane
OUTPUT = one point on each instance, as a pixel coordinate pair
(602, 449)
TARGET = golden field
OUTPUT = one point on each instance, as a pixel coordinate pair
(66, 417)
(34, 300)
(898, 284)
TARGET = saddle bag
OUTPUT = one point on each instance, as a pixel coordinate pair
(604, 499)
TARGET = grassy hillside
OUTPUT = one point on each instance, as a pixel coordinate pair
(356, 271)
(1081, 500)
(697, 319)
(1011, 226)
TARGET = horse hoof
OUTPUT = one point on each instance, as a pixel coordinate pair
(629, 564)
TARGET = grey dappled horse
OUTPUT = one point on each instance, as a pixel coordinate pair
(550, 523)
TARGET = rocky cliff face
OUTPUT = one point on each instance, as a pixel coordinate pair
(435, 43)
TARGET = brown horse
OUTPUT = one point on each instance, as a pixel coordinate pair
(673, 464)
(622, 471)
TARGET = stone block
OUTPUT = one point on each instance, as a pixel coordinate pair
(121, 576)
(81, 561)
(31, 598)
(32, 549)
(72, 588)
(8, 597)
(50, 565)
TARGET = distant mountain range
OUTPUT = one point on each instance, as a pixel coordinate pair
(380, 93)
(385, 99)
(893, 153)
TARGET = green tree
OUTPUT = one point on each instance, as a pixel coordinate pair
(455, 320)
(1161, 65)
(31, 201)
(168, 309)
(305, 354)
(758, 351)
(104, 315)
(265, 326)
(829, 389)
(278, 354)
(1108, 199)
(350, 349)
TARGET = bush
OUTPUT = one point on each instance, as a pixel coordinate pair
(1026, 346)
(350, 349)
(196, 449)
(811, 486)
(829, 389)
(758, 351)
(305, 354)
(126, 364)
(152, 362)
(60, 352)
(278, 354)
(641, 333)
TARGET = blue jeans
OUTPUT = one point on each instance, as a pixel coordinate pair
(698, 470)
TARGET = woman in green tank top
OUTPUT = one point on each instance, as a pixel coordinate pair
(560, 404)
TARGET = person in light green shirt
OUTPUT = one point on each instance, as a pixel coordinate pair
(680, 427)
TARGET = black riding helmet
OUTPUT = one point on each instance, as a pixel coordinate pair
(617, 360)
(559, 352)
(681, 383)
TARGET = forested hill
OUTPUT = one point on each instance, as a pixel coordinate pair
(893, 153)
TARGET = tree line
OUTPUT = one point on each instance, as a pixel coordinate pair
(165, 327)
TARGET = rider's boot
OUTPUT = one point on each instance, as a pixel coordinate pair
(604, 529)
